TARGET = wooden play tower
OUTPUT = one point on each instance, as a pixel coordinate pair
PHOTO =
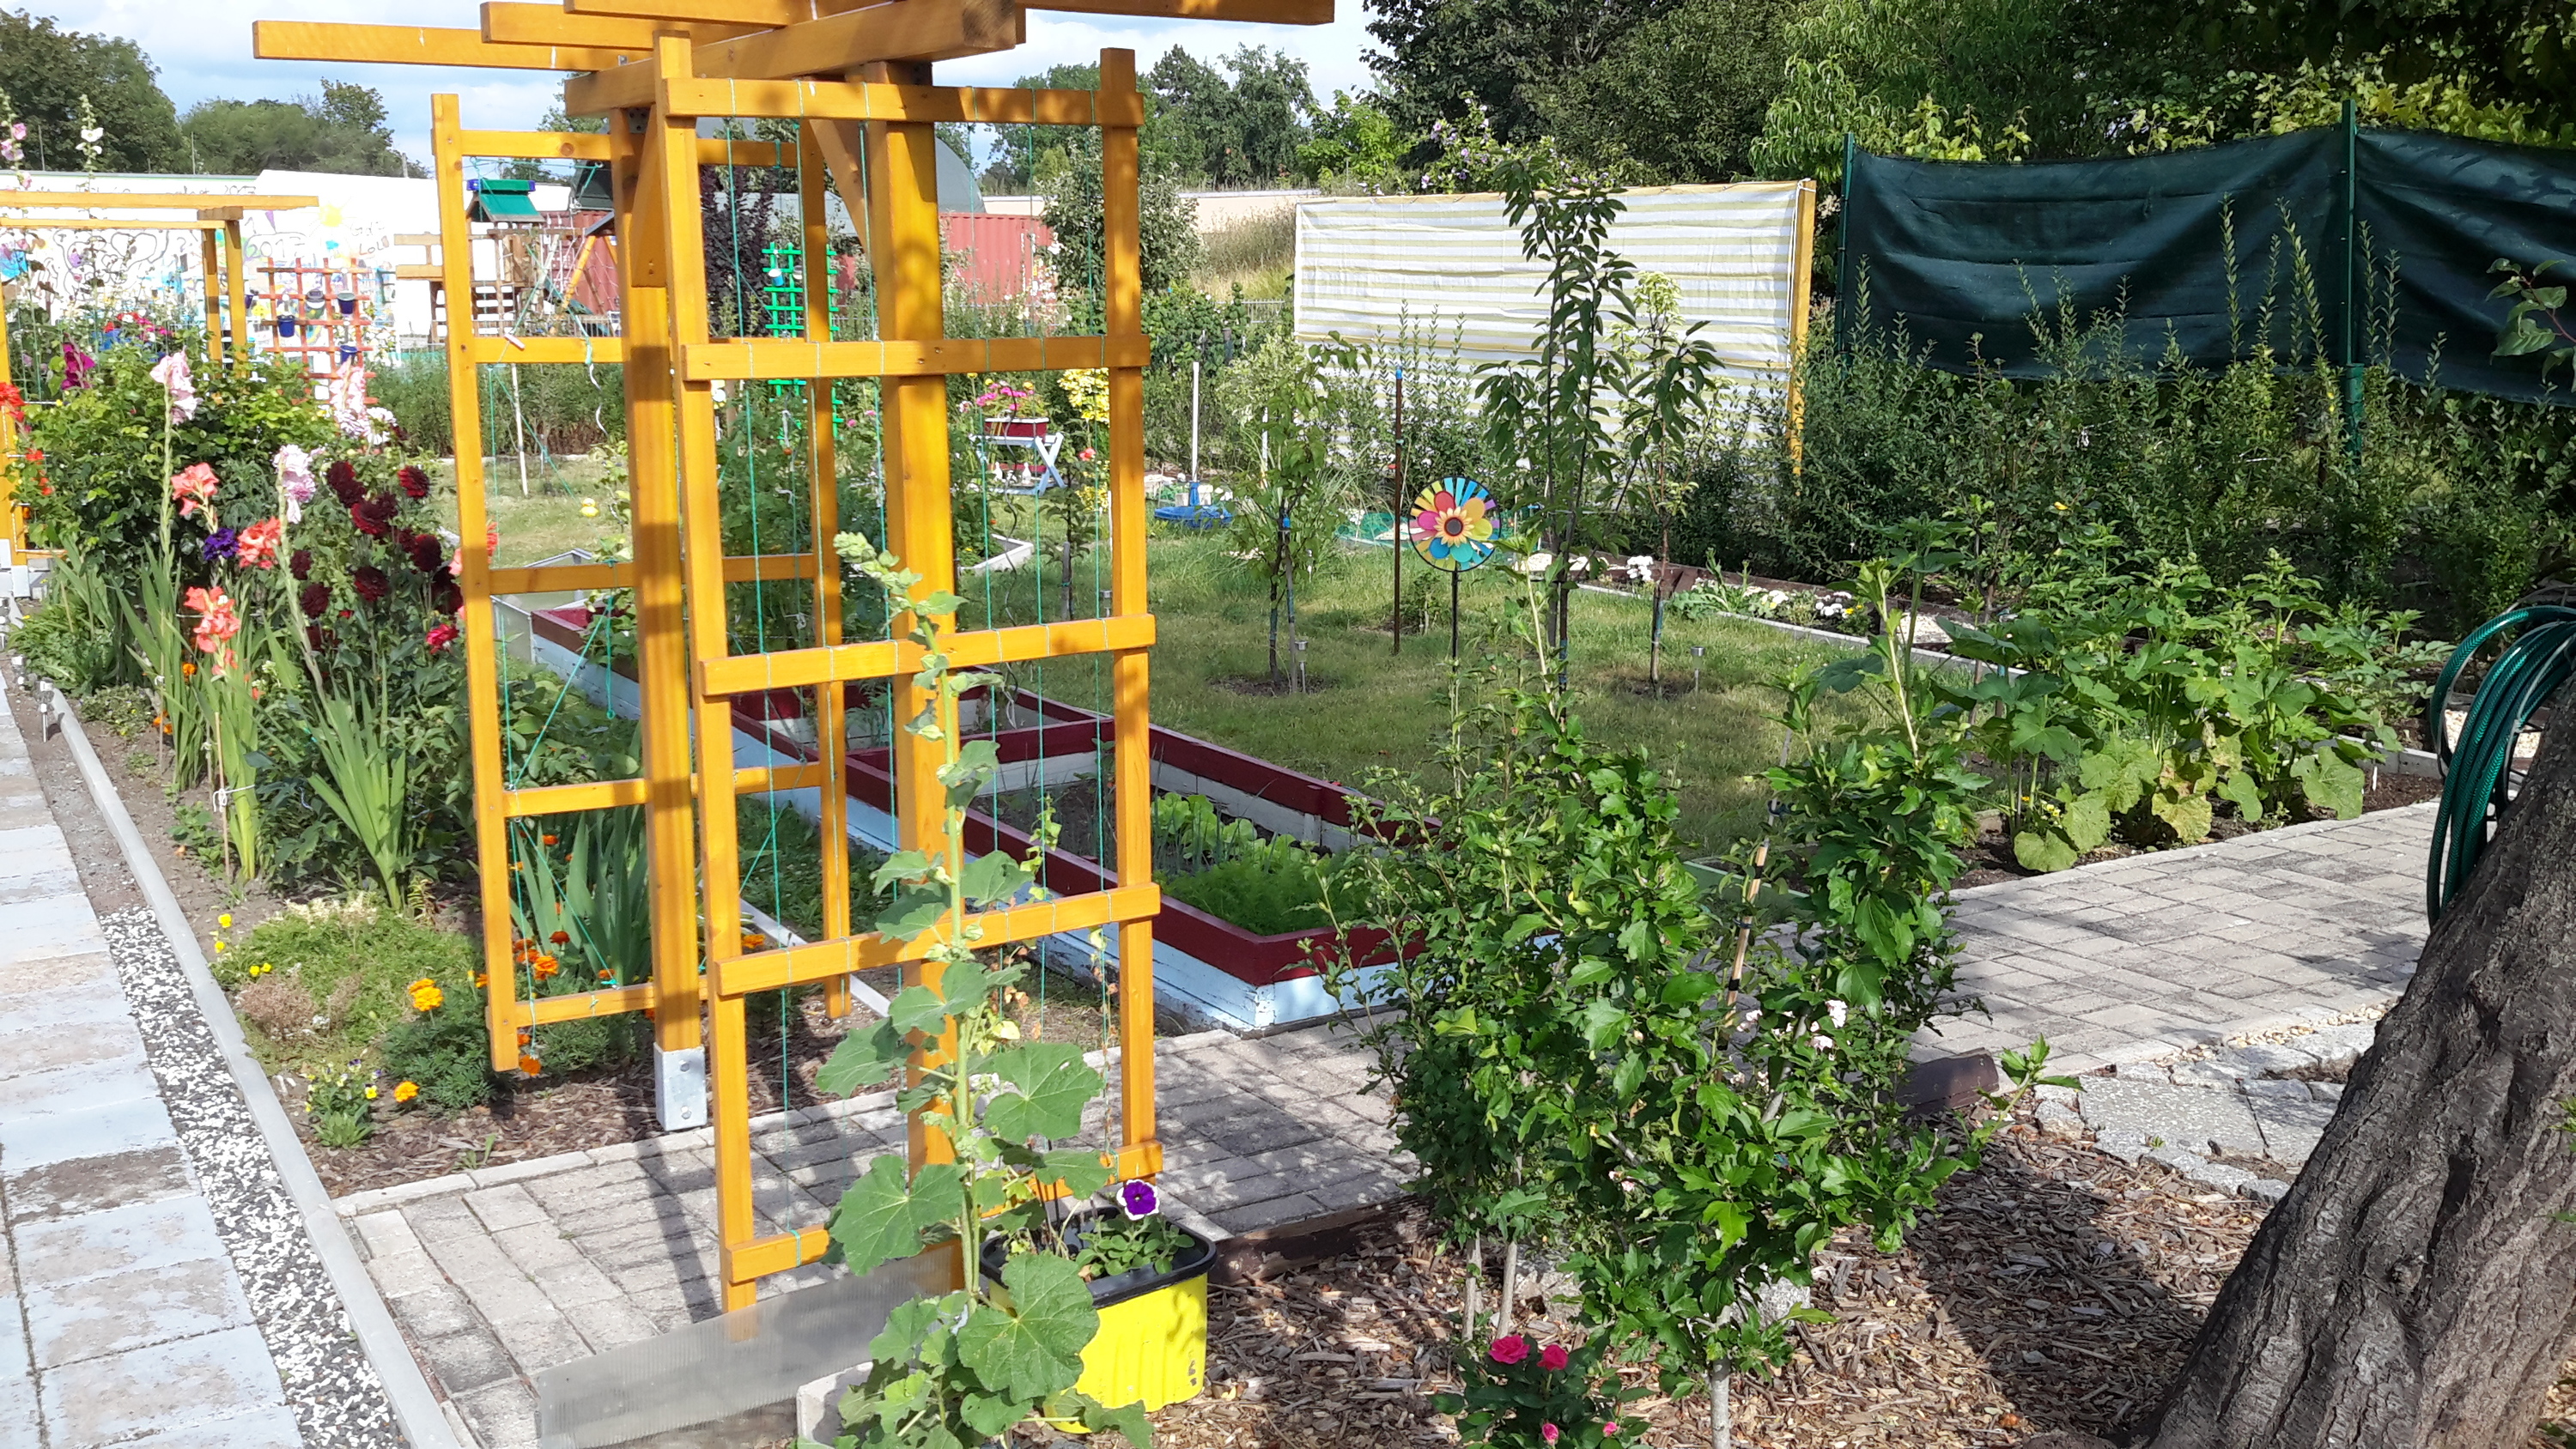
(854, 83)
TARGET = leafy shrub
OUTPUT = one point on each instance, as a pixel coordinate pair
(359, 953)
(445, 1052)
(124, 710)
(567, 1047)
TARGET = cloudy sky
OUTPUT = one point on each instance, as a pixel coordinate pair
(203, 49)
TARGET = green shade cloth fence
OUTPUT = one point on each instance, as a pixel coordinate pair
(1959, 256)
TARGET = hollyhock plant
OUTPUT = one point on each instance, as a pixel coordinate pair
(294, 480)
(172, 373)
(78, 365)
(195, 489)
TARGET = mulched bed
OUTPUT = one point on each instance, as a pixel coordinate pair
(2056, 1289)
(1991, 858)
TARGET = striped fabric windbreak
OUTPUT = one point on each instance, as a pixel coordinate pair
(1370, 267)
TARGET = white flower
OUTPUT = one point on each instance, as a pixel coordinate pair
(1838, 1012)
(93, 134)
(1537, 564)
(1641, 567)
(1823, 1043)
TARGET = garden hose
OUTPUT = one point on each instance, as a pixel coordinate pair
(2477, 775)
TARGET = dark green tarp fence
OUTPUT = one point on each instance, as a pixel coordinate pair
(1962, 256)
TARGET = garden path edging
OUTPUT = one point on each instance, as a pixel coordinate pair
(416, 1409)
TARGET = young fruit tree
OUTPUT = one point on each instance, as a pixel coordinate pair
(2418, 1285)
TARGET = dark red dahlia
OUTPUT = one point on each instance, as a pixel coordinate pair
(413, 481)
(313, 598)
(300, 564)
(424, 551)
(320, 638)
(445, 596)
(343, 478)
(374, 514)
(372, 585)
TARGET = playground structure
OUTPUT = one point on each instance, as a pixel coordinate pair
(864, 129)
(219, 229)
(323, 313)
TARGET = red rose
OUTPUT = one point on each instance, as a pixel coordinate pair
(1509, 1349)
(371, 583)
(414, 481)
(1552, 1357)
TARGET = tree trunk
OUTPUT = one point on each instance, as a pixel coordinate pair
(2417, 1287)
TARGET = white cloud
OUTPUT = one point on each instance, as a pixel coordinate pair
(203, 50)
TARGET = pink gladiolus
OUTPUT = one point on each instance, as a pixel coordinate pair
(294, 480)
(195, 489)
(257, 545)
(216, 623)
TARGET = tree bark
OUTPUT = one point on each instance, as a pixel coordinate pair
(2417, 1287)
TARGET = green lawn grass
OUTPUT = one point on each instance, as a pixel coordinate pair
(548, 519)
(1369, 709)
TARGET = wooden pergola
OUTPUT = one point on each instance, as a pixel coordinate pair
(219, 251)
(856, 81)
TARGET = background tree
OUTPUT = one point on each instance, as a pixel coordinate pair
(1682, 95)
(342, 130)
(1239, 131)
(1440, 60)
(45, 70)
(1167, 222)
(2418, 1285)
(1356, 146)
(1019, 151)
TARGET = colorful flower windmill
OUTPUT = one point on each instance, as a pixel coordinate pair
(1453, 524)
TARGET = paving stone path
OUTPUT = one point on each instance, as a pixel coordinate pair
(499, 1274)
(2142, 957)
(139, 1304)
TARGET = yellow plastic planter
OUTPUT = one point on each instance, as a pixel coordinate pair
(1152, 1345)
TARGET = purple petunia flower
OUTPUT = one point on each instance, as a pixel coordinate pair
(220, 544)
(1138, 1198)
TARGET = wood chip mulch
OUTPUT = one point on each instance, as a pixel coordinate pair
(2056, 1289)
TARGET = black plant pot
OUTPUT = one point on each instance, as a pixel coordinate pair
(1117, 1288)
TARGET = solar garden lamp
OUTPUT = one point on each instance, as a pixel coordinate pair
(1298, 648)
(1699, 653)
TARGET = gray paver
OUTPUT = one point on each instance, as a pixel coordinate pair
(2185, 1117)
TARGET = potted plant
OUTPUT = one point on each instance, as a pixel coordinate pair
(1148, 1281)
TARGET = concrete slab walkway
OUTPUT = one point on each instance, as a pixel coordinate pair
(2142, 957)
(123, 1319)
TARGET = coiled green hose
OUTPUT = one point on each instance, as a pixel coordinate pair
(2477, 783)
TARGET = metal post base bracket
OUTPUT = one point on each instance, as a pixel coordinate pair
(680, 1088)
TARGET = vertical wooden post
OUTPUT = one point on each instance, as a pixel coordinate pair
(683, 238)
(1802, 262)
(13, 513)
(214, 295)
(236, 288)
(831, 698)
(903, 248)
(1123, 299)
(482, 664)
(638, 180)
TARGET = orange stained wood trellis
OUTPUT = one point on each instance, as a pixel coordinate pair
(216, 218)
(855, 83)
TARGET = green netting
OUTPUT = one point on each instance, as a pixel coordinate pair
(2286, 241)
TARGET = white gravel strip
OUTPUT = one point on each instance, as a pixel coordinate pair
(338, 1400)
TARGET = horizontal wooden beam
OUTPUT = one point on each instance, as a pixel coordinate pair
(898, 30)
(84, 223)
(606, 351)
(531, 145)
(567, 799)
(420, 271)
(823, 960)
(415, 45)
(886, 658)
(197, 202)
(553, 578)
(790, 12)
(582, 1005)
(789, 358)
(512, 23)
(873, 101)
